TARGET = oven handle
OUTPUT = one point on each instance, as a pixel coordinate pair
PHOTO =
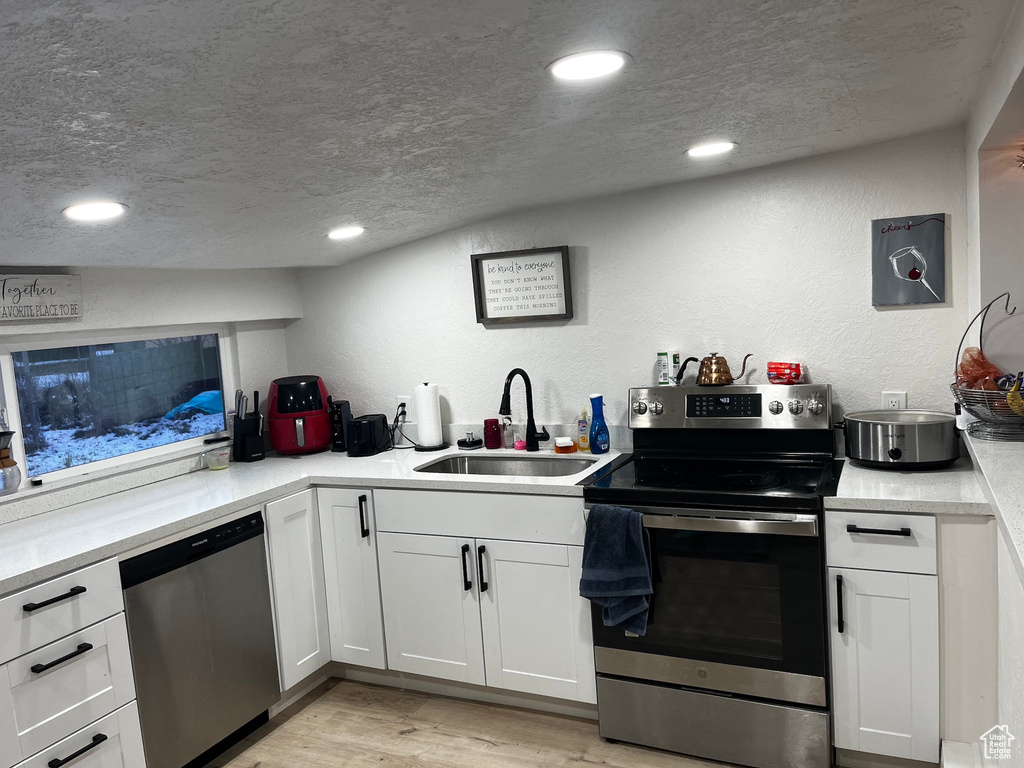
(803, 525)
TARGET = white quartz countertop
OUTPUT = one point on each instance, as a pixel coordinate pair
(41, 547)
(952, 491)
(1002, 481)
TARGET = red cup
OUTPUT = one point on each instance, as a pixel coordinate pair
(492, 434)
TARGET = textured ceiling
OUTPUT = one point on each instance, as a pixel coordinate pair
(240, 132)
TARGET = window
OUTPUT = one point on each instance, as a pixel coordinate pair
(82, 404)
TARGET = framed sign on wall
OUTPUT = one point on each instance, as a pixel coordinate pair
(40, 297)
(522, 286)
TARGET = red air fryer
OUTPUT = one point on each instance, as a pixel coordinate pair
(299, 418)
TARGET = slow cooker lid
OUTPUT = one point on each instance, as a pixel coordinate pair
(902, 417)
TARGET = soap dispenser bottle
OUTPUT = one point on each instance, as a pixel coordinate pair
(599, 442)
(583, 427)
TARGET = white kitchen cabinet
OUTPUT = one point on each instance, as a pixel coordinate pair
(297, 576)
(431, 606)
(536, 627)
(62, 687)
(114, 741)
(885, 662)
(349, 539)
(506, 614)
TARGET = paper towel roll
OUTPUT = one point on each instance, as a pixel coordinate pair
(427, 401)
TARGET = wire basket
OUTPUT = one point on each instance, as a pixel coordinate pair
(999, 414)
(997, 419)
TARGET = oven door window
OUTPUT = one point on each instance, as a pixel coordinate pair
(736, 598)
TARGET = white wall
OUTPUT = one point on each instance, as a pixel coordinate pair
(1007, 63)
(774, 261)
(261, 356)
(139, 298)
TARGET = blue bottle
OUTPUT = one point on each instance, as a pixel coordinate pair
(599, 442)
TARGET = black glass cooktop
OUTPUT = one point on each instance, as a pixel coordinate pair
(717, 482)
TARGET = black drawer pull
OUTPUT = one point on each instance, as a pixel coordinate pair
(364, 529)
(839, 604)
(466, 583)
(879, 531)
(98, 739)
(480, 552)
(29, 607)
(82, 648)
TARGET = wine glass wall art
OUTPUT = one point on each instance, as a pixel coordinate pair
(908, 260)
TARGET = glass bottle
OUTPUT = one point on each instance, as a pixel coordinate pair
(599, 442)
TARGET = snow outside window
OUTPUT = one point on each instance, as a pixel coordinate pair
(88, 403)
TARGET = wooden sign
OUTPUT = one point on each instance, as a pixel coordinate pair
(40, 297)
(522, 286)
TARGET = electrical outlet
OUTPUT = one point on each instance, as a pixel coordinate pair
(894, 401)
(408, 408)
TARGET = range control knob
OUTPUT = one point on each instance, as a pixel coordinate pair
(814, 406)
(796, 407)
(657, 409)
(775, 407)
(640, 407)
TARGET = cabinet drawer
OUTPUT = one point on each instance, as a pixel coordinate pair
(501, 516)
(48, 611)
(56, 690)
(117, 739)
(880, 542)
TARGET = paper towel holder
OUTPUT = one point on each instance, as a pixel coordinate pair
(437, 410)
(427, 448)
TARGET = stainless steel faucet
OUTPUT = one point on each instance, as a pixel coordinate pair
(533, 437)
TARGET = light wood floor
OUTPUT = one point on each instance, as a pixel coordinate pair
(343, 723)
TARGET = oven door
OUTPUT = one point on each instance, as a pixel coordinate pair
(737, 606)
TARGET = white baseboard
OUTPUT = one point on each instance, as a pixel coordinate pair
(464, 691)
(300, 689)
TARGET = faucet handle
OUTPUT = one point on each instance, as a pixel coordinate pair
(543, 434)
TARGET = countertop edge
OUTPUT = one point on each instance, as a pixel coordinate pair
(301, 482)
(1014, 540)
(850, 504)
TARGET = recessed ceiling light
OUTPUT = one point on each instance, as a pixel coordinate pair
(99, 210)
(344, 233)
(711, 148)
(588, 65)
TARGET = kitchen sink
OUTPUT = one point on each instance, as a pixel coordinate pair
(530, 466)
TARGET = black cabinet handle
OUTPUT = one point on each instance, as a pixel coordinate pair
(839, 604)
(480, 551)
(29, 607)
(363, 528)
(98, 739)
(466, 583)
(82, 648)
(879, 531)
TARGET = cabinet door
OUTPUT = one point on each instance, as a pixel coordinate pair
(431, 606)
(885, 662)
(300, 603)
(536, 627)
(350, 568)
(114, 741)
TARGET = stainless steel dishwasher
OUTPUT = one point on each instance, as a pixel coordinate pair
(202, 641)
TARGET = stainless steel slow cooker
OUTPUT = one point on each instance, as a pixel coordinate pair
(902, 439)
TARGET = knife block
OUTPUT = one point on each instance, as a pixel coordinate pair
(248, 440)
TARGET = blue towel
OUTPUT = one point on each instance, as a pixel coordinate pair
(617, 567)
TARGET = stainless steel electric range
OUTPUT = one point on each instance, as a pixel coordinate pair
(733, 666)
